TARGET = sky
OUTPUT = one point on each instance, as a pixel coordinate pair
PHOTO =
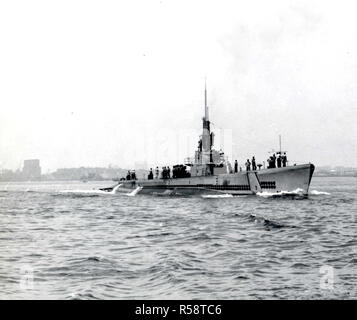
(98, 83)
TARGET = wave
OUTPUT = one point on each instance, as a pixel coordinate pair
(165, 193)
(81, 296)
(266, 194)
(318, 193)
(216, 196)
(92, 192)
(115, 189)
(83, 192)
(75, 195)
(266, 222)
(134, 192)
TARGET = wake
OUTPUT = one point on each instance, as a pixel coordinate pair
(319, 193)
(297, 192)
(134, 192)
(216, 196)
(90, 192)
(79, 191)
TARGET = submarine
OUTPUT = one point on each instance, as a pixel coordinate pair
(209, 172)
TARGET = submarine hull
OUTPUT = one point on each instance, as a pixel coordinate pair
(287, 179)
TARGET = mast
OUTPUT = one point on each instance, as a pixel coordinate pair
(206, 135)
(206, 107)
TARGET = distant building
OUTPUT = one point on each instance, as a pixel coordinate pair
(31, 169)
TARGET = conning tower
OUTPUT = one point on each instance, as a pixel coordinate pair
(207, 160)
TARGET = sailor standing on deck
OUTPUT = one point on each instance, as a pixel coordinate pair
(278, 161)
(164, 173)
(284, 160)
(150, 176)
(247, 165)
(254, 165)
(157, 173)
(274, 161)
(235, 166)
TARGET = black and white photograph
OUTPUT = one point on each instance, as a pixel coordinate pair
(167, 150)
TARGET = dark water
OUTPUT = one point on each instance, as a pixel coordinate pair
(57, 244)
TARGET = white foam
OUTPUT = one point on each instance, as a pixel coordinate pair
(266, 194)
(115, 188)
(93, 191)
(216, 196)
(318, 193)
(134, 192)
(85, 191)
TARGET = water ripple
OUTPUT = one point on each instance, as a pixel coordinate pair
(82, 244)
